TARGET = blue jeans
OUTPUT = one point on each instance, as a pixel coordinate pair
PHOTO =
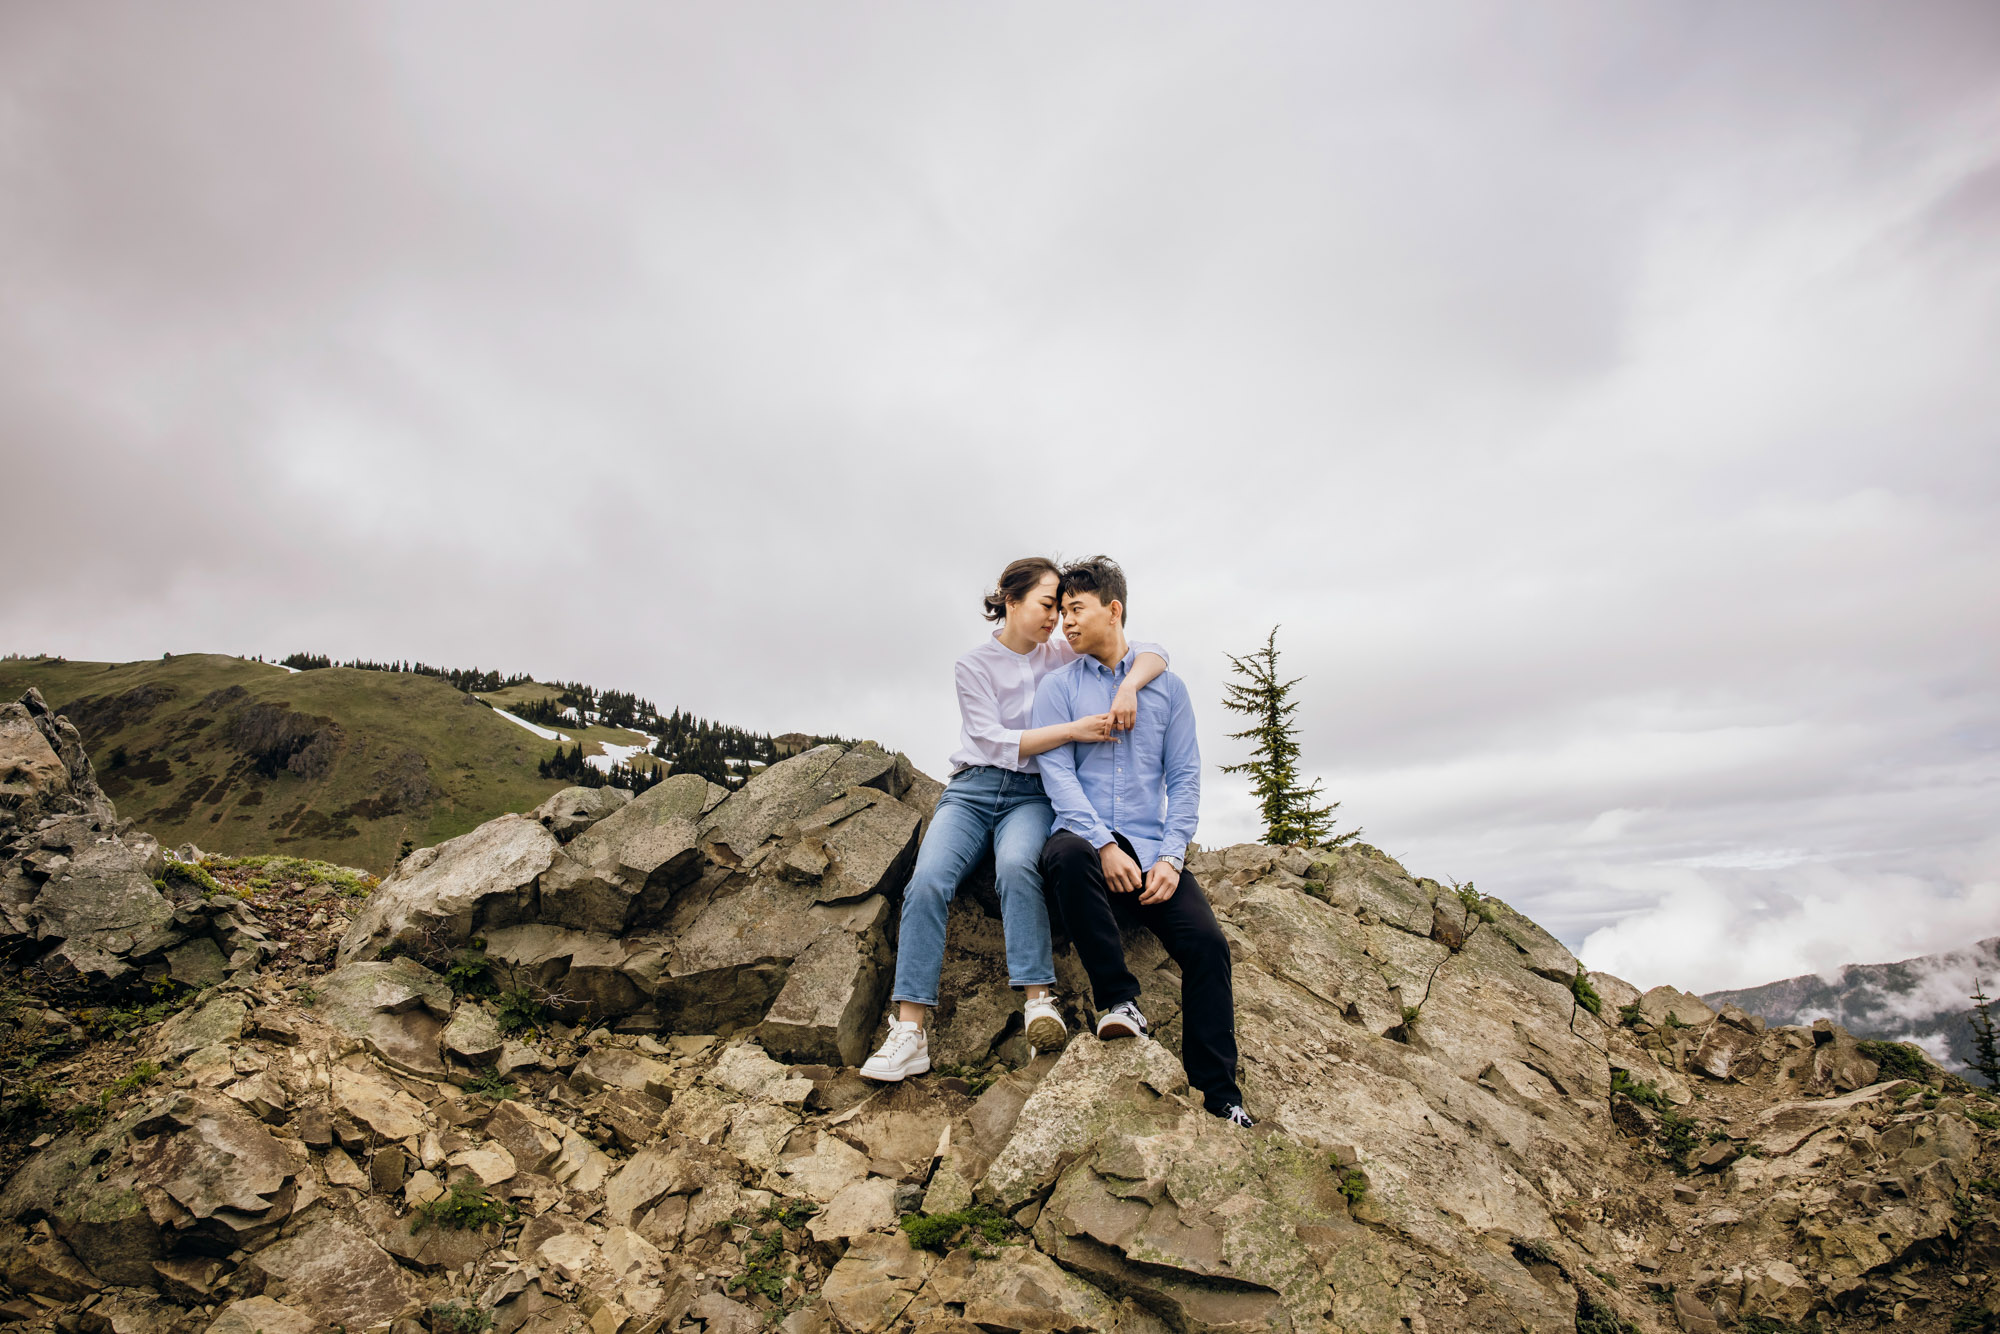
(982, 805)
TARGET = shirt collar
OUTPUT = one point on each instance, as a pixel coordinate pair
(1124, 664)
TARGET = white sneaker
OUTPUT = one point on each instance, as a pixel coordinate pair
(906, 1052)
(1045, 1028)
(1122, 1020)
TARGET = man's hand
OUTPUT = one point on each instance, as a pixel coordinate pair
(1097, 727)
(1161, 882)
(1125, 707)
(1121, 873)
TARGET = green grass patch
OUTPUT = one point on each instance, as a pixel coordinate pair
(266, 871)
(1631, 1016)
(977, 1080)
(1586, 995)
(1898, 1060)
(456, 1317)
(466, 1204)
(1353, 1185)
(140, 1075)
(941, 1232)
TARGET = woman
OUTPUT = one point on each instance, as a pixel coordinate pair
(995, 799)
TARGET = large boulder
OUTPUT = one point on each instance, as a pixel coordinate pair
(441, 898)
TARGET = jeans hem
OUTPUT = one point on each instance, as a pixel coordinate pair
(912, 1000)
(1017, 984)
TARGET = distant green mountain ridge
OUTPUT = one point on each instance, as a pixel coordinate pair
(346, 763)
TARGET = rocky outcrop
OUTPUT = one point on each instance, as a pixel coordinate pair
(592, 1068)
(688, 908)
(84, 898)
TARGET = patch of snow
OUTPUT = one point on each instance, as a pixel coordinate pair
(613, 756)
(281, 667)
(542, 732)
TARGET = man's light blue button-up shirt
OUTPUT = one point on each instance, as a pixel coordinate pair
(1146, 784)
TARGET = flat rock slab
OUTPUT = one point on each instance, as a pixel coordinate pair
(218, 1022)
(875, 1282)
(377, 1105)
(333, 1272)
(224, 1159)
(262, 1315)
(860, 1207)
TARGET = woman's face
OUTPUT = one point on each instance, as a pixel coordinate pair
(1034, 617)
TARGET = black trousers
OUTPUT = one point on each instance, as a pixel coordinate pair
(1073, 878)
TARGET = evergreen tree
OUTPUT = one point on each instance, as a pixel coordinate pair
(1290, 815)
(1985, 1040)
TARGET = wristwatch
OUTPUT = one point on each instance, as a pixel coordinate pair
(1174, 862)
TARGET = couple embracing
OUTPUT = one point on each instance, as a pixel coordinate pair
(1077, 765)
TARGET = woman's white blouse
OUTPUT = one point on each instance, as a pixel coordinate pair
(996, 694)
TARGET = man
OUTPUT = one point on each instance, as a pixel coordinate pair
(1125, 810)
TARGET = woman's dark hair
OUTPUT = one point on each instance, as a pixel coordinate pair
(1017, 581)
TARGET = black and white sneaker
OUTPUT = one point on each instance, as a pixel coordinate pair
(1236, 1116)
(1122, 1020)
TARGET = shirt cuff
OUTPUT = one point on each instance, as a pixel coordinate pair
(1177, 863)
(1010, 740)
(1177, 855)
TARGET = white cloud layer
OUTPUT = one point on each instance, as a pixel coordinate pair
(1602, 399)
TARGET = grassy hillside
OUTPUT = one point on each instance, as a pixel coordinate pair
(245, 757)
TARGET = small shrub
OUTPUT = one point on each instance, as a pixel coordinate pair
(1675, 1021)
(1677, 1135)
(1586, 995)
(788, 1213)
(1898, 1060)
(27, 1104)
(491, 1084)
(307, 997)
(520, 1009)
(1630, 1016)
(466, 1205)
(1475, 904)
(1593, 1317)
(1354, 1186)
(1608, 1280)
(470, 973)
(1640, 1091)
(1410, 1016)
(939, 1232)
(88, 1116)
(456, 1317)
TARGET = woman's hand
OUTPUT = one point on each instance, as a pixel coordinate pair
(1125, 707)
(1097, 727)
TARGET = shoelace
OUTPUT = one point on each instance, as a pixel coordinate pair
(1238, 1117)
(900, 1042)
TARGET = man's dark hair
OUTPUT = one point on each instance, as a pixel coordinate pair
(1099, 575)
(1016, 582)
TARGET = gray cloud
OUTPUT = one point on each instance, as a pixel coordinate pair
(1602, 400)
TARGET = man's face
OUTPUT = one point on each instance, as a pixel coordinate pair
(1090, 626)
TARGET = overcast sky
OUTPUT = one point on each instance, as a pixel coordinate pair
(1605, 399)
